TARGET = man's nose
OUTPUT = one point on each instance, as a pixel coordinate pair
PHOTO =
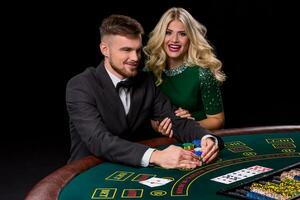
(135, 56)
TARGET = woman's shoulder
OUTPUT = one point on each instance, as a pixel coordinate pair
(204, 74)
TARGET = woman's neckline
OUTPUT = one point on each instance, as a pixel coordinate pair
(175, 70)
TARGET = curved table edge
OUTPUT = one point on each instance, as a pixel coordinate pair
(50, 186)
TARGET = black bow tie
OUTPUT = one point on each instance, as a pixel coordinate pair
(125, 84)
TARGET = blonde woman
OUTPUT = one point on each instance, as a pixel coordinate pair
(186, 70)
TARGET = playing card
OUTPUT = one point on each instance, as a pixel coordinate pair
(229, 178)
(246, 173)
(223, 179)
(241, 174)
(154, 181)
(259, 169)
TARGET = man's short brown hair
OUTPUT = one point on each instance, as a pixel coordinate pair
(120, 25)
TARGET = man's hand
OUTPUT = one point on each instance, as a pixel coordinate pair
(174, 157)
(210, 150)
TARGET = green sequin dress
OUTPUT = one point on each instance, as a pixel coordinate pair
(193, 88)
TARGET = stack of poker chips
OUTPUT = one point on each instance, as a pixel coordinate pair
(248, 194)
(286, 189)
(188, 146)
(195, 147)
(284, 185)
(292, 174)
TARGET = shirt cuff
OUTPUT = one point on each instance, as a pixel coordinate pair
(146, 157)
(211, 136)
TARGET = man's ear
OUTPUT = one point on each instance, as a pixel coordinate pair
(104, 48)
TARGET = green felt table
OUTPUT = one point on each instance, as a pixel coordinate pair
(272, 147)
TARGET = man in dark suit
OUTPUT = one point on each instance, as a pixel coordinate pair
(110, 107)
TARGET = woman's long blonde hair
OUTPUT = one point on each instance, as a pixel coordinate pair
(200, 52)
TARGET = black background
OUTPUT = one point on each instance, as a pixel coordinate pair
(50, 43)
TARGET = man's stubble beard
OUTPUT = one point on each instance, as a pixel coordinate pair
(123, 71)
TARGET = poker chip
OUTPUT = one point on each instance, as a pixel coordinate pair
(197, 143)
(197, 151)
(290, 175)
(255, 195)
(285, 190)
(188, 146)
(297, 178)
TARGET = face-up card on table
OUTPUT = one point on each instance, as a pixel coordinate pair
(226, 179)
(241, 174)
(259, 169)
(154, 181)
(245, 173)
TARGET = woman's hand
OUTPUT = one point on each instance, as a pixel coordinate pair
(180, 112)
(164, 127)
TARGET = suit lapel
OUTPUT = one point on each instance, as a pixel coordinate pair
(137, 99)
(111, 100)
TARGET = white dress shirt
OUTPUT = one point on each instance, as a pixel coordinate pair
(124, 93)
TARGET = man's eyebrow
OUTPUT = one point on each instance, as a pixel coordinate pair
(126, 48)
(130, 48)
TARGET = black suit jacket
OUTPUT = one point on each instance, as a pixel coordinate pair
(99, 125)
